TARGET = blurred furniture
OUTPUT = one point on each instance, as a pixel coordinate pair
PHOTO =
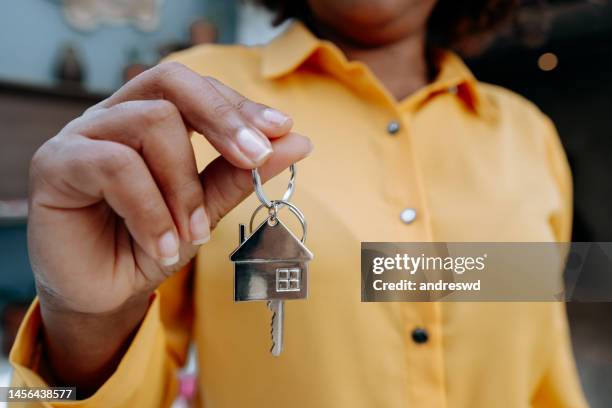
(29, 115)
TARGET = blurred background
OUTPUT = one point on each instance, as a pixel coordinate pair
(57, 57)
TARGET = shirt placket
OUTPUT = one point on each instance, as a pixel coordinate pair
(407, 205)
(422, 321)
(405, 196)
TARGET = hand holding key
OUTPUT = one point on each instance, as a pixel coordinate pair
(117, 205)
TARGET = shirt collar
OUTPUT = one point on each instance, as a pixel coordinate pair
(294, 47)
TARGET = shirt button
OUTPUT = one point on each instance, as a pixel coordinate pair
(393, 127)
(408, 215)
(419, 335)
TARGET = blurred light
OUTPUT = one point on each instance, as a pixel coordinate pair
(548, 61)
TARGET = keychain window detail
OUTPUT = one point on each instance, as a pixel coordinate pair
(287, 279)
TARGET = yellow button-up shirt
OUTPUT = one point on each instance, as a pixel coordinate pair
(475, 162)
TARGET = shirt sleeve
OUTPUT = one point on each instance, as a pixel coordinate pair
(561, 221)
(147, 374)
(559, 385)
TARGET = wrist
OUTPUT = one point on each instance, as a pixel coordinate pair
(84, 349)
(52, 304)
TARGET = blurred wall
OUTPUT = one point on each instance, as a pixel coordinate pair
(32, 32)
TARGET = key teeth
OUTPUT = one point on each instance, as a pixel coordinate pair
(269, 304)
(273, 324)
(276, 351)
(272, 328)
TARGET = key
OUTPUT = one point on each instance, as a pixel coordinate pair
(271, 263)
(278, 310)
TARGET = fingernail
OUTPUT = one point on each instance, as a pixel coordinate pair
(310, 146)
(253, 145)
(168, 248)
(275, 117)
(198, 226)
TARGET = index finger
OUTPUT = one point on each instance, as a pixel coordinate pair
(204, 109)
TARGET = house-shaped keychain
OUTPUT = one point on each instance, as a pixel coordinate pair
(271, 263)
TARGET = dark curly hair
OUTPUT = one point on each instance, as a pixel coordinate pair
(450, 21)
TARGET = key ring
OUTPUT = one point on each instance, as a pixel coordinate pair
(276, 205)
(262, 195)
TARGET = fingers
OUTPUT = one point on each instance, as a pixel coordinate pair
(161, 138)
(151, 115)
(92, 170)
(270, 121)
(225, 186)
(236, 127)
(136, 157)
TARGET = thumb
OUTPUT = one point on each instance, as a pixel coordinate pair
(225, 185)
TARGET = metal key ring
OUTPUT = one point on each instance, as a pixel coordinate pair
(262, 195)
(275, 204)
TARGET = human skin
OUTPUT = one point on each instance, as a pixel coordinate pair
(386, 35)
(117, 205)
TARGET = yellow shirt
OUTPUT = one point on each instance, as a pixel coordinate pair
(476, 163)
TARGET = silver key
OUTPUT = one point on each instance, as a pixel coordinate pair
(271, 263)
(278, 310)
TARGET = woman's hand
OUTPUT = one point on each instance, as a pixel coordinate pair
(116, 202)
